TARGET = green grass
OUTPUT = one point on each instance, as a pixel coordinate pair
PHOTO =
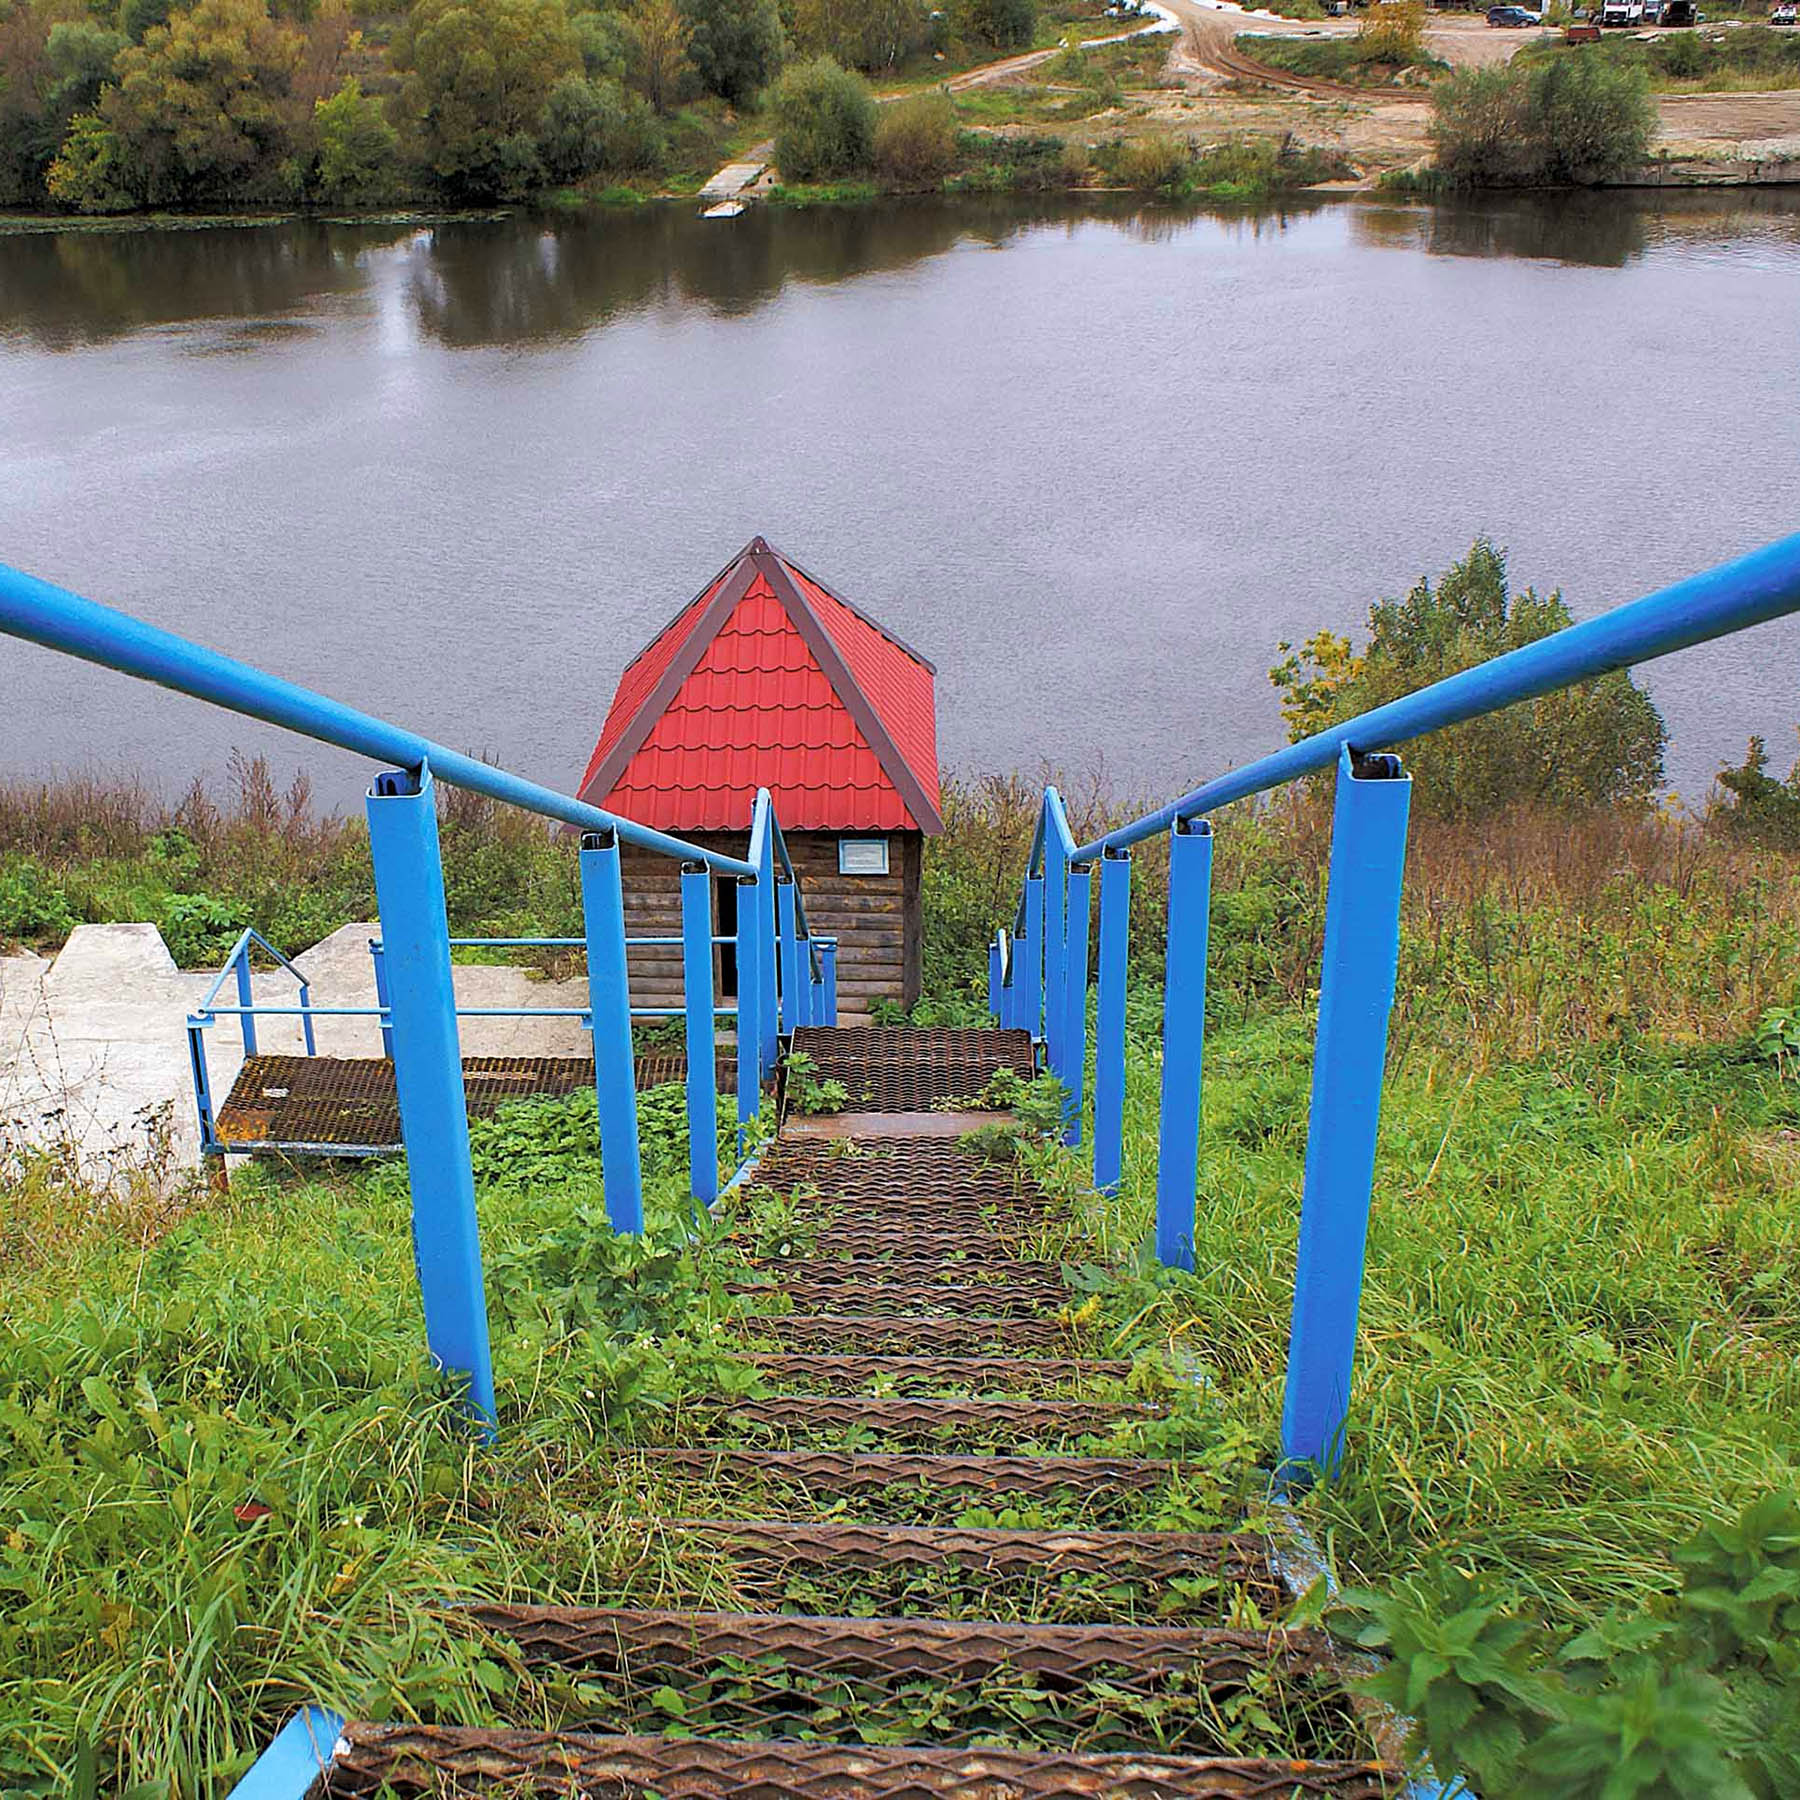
(1341, 59)
(1700, 61)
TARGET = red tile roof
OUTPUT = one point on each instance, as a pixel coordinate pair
(768, 679)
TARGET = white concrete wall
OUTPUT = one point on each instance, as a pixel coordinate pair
(94, 1050)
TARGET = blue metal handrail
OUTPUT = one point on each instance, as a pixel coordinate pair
(1038, 973)
(52, 616)
(1749, 591)
(415, 993)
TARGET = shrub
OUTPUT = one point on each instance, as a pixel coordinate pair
(1392, 31)
(32, 904)
(1162, 165)
(1570, 120)
(915, 141)
(1596, 742)
(1587, 119)
(824, 121)
(606, 43)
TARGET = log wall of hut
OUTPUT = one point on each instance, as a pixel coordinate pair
(875, 919)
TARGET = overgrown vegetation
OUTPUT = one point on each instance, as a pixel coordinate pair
(1747, 56)
(1573, 121)
(1365, 60)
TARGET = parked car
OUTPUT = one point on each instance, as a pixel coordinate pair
(1783, 14)
(1512, 16)
(1622, 12)
(1680, 12)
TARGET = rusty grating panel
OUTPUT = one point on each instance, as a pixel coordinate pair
(909, 1297)
(1013, 1373)
(908, 1070)
(348, 1102)
(865, 1331)
(1133, 1658)
(950, 1682)
(1241, 1558)
(912, 1172)
(836, 1472)
(445, 1760)
(944, 1256)
(983, 1419)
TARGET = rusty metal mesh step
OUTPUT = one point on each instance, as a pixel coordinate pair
(911, 1298)
(957, 1653)
(974, 1420)
(1106, 1686)
(938, 1258)
(912, 1070)
(916, 1171)
(1241, 1558)
(411, 1760)
(1013, 1374)
(825, 1331)
(1008, 1479)
(348, 1102)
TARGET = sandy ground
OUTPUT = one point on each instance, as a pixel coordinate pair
(1732, 132)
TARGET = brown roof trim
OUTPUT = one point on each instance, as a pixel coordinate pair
(898, 642)
(811, 627)
(733, 583)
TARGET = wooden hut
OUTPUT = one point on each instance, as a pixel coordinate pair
(769, 679)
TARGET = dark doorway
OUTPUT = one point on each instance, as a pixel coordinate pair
(726, 888)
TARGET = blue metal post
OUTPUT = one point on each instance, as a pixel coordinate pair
(1075, 993)
(428, 1077)
(203, 1106)
(789, 946)
(1055, 1009)
(697, 993)
(1356, 995)
(609, 1004)
(298, 1754)
(378, 956)
(767, 976)
(306, 1021)
(749, 1019)
(1184, 1035)
(828, 985)
(1031, 974)
(245, 1020)
(996, 997)
(1109, 1048)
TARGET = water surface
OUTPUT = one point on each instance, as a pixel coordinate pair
(1094, 462)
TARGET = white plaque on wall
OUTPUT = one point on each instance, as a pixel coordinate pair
(862, 856)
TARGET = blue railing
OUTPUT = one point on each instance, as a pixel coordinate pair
(1038, 971)
(785, 977)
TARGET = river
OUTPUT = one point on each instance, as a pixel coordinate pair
(1095, 462)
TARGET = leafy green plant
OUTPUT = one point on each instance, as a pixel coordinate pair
(32, 905)
(806, 1093)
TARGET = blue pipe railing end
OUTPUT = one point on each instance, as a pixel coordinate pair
(297, 1756)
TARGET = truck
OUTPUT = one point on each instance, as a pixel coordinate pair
(1622, 12)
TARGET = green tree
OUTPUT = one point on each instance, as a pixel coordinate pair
(824, 121)
(357, 148)
(49, 72)
(862, 34)
(89, 172)
(477, 76)
(591, 126)
(1005, 24)
(1596, 742)
(736, 46)
(607, 44)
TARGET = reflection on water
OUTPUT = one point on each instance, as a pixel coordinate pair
(517, 280)
(1603, 230)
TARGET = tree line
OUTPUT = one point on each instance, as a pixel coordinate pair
(115, 105)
